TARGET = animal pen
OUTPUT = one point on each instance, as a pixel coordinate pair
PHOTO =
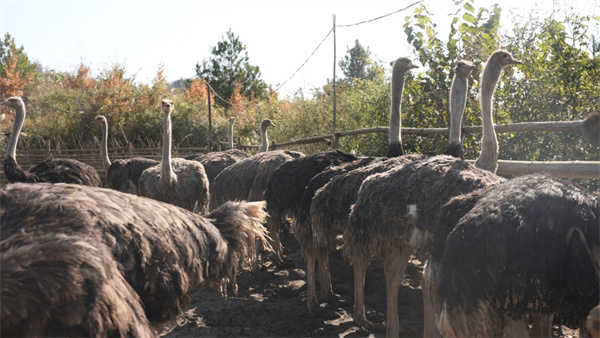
(566, 169)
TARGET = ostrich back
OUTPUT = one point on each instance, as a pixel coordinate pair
(215, 162)
(236, 181)
(302, 226)
(123, 175)
(63, 284)
(190, 190)
(164, 252)
(380, 216)
(331, 204)
(543, 229)
(53, 170)
(287, 184)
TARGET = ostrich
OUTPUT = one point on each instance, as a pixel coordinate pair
(591, 128)
(527, 248)
(245, 180)
(264, 146)
(122, 174)
(287, 185)
(302, 222)
(331, 204)
(164, 252)
(59, 284)
(458, 102)
(396, 211)
(177, 181)
(52, 170)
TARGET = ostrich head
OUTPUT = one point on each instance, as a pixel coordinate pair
(167, 106)
(403, 64)
(14, 102)
(266, 123)
(100, 119)
(464, 68)
(231, 119)
(503, 58)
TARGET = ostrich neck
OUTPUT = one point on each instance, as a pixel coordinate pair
(395, 138)
(104, 147)
(230, 136)
(265, 141)
(458, 101)
(167, 167)
(488, 157)
(11, 150)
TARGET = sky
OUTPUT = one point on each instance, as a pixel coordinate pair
(280, 36)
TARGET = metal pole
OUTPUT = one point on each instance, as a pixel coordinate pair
(335, 139)
(209, 119)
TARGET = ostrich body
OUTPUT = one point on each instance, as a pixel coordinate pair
(397, 211)
(327, 217)
(52, 170)
(177, 181)
(331, 204)
(401, 66)
(123, 174)
(62, 285)
(164, 252)
(539, 228)
(215, 162)
(264, 146)
(246, 179)
(458, 102)
(286, 186)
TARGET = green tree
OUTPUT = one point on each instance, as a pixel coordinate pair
(474, 35)
(14, 62)
(228, 65)
(357, 64)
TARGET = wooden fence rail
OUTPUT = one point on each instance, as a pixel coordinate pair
(569, 169)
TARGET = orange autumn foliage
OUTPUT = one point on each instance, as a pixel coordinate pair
(82, 80)
(197, 91)
(13, 84)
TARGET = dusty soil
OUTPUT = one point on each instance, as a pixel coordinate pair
(273, 304)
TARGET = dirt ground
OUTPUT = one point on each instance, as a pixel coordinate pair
(274, 303)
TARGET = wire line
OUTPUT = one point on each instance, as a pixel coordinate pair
(343, 26)
(309, 57)
(381, 17)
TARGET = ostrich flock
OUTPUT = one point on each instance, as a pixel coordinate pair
(503, 256)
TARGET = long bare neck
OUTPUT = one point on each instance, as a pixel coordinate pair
(230, 135)
(458, 102)
(104, 147)
(11, 150)
(488, 157)
(167, 167)
(264, 146)
(395, 137)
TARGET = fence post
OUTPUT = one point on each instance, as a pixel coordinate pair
(335, 143)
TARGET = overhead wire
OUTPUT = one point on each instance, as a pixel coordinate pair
(344, 26)
(309, 57)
